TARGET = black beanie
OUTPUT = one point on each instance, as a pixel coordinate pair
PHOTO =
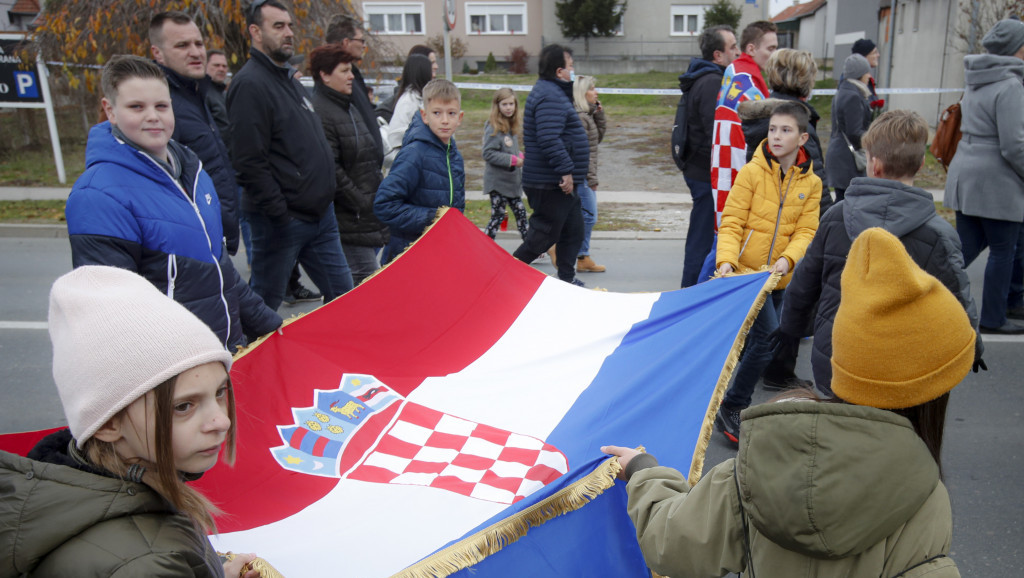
(864, 46)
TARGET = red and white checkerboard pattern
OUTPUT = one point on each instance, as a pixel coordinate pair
(425, 447)
(728, 155)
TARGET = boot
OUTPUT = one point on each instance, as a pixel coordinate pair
(585, 264)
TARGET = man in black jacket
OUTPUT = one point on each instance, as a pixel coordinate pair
(347, 32)
(701, 81)
(178, 48)
(284, 165)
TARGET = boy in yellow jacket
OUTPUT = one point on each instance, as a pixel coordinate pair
(770, 217)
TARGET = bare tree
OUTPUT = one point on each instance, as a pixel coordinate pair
(976, 17)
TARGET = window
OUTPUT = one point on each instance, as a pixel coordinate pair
(496, 18)
(917, 15)
(687, 20)
(394, 17)
(622, 21)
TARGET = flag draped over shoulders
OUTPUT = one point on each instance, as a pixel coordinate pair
(742, 82)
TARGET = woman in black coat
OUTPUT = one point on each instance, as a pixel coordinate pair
(851, 116)
(357, 163)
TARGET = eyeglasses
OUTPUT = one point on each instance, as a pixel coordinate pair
(363, 40)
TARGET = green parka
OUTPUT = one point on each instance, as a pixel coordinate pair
(827, 490)
(57, 519)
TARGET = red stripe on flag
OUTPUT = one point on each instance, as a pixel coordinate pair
(318, 447)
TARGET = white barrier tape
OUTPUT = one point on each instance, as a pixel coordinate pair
(675, 91)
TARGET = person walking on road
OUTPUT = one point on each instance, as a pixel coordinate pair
(592, 116)
(985, 185)
(851, 117)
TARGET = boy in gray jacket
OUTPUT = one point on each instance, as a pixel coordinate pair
(886, 198)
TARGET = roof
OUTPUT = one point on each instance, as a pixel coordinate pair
(30, 7)
(798, 11)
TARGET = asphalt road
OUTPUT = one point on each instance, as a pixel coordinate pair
(983, 458)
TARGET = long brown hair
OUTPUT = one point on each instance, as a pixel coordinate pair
(162, 476)
(502, 123)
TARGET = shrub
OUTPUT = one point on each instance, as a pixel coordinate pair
(491, 65)
(518, 57)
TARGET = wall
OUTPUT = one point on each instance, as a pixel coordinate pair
(928, 57)
(852, 20)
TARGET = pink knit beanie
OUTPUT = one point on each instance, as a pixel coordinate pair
(115, 337)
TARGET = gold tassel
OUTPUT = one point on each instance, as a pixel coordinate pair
(475, 548)
(266, 570)
(697, 464)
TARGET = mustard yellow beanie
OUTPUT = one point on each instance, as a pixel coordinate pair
(900, 338)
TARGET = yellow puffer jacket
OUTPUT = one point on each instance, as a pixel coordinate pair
(768, 214)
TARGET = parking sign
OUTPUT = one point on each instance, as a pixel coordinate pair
(19, 82)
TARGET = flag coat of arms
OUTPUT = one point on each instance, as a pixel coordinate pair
(445, 417)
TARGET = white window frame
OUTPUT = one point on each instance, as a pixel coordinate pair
(390, 8)
(488, 9)
(686, 10)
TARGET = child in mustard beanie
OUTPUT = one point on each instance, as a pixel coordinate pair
(826, 488)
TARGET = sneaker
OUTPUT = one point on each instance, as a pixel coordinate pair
(576, 281)
(1015, 313)
(727, 421)
(791, 382)
(542, 258)
(302, 295)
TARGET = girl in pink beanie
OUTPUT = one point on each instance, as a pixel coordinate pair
(145, 388)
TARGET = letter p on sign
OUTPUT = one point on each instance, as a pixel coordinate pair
(25, 84)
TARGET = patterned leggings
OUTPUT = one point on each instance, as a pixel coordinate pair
(498, 214)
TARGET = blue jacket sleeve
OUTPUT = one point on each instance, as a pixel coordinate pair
(102, 231)
(392, 204)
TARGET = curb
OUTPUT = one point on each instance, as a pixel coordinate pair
(33, 231)
(61, 232)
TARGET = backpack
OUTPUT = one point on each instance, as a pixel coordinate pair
(679, 134)
(947, 135)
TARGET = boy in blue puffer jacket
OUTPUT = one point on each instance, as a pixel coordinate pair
(144, 204)
(428, 172)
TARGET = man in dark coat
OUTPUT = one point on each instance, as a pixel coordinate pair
(701, 82)
(284, 163)
(178, 48)
(347, 32)
(216, 97)
(558, 155)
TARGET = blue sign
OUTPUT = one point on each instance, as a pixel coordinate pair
(25, 84)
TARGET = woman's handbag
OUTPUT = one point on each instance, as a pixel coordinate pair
(860, 158)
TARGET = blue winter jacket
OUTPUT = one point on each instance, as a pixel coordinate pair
(195, 127)
(426, 174)
(553, 136)
(126, 211)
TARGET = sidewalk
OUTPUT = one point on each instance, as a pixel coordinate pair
(620, 197)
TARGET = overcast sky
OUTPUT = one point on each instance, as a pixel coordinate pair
(777, 6)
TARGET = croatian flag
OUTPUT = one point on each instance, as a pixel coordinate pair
(445, 417)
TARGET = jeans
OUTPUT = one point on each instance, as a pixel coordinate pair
(756, 355)
(1000, 237)
(315, 245)
(557, 218)
(588, 203)
(362, 260)
(701, 232)
(1016, 298)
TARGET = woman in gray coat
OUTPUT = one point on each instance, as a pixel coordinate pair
(985, 185)
(851, 116)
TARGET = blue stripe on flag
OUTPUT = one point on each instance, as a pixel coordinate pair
(653, 390)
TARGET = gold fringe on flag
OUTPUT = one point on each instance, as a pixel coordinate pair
(697, 464)
(475, 548)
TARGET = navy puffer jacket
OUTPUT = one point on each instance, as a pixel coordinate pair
(427, 174)
(126, 211)
(195, 127)
(553, 137)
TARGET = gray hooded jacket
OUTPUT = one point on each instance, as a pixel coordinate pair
(907, 212)
(986, 177)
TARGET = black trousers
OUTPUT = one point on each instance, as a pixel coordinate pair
(557, 218)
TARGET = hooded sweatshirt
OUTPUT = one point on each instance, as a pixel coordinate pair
(60, 517)
(701, 81)
(827, 489)
(906, 212)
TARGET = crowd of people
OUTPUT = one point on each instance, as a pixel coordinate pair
(187, 169)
